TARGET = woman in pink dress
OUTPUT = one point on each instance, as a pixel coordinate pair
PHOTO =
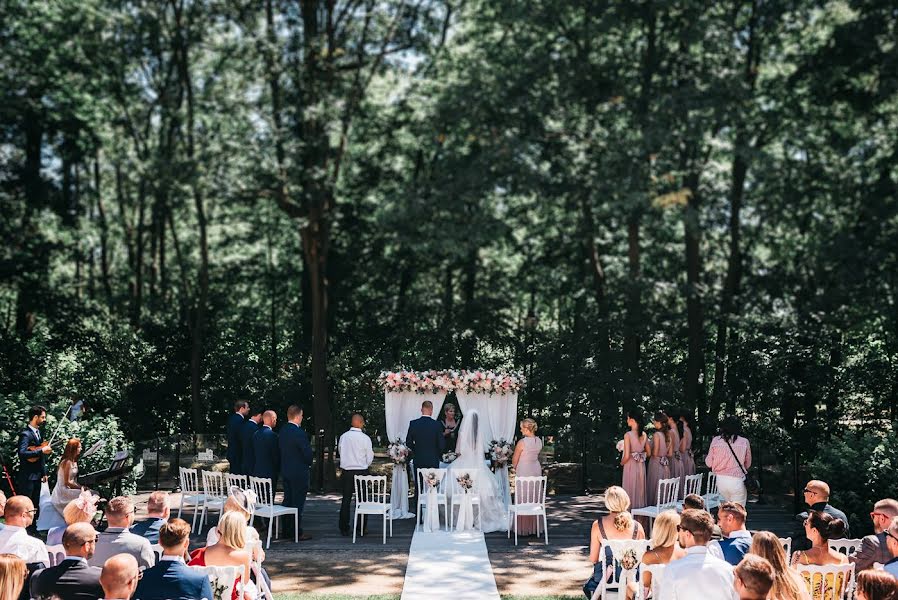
(526, 464)
(659, 464)
(685, 424)
(673, 450)
(633, 459)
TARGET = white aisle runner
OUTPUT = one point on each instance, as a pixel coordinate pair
(449, 565)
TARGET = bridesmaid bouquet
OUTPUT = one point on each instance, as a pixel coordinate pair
(449, 457)
(465, 482)
(500, 452)
(677, 455)
(398, 452)
(620, 446)
(664, 461)
(431, 480)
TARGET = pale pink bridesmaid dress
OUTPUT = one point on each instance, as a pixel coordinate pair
(656, 470)
(634, 472)
(529, 466)
(676, 458)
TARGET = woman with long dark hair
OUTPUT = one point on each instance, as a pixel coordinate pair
(684, 424)
(729, 457)
(659, 463)
(673, 451)
(633, 459)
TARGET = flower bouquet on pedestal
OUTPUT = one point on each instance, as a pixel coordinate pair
(500, 453)
(399, 452)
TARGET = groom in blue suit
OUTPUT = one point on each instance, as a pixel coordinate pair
(426, 442)
(296, 460)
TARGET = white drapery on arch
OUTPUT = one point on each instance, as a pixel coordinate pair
(498, 415)
(400, 408)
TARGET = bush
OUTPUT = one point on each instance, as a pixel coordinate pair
(861, 467)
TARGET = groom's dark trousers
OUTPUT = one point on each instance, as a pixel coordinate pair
(426, 442)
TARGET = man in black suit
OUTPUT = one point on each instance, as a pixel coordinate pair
(32, 474)
(296, 460)
(247, 431)
(73, 578)
(235, 423)
(426, 442)
(267, 453)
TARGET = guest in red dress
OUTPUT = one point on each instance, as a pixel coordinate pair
(229, 551)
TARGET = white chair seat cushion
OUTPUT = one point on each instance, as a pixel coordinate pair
(372, 507)
(273, 511)
(648, 511)
(527, 509)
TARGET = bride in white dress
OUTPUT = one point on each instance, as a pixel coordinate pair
(472, 458)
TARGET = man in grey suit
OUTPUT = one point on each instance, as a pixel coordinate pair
(73, 578)
(874, 548)
(118, 540)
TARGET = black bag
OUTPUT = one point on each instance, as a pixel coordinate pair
(752, 485)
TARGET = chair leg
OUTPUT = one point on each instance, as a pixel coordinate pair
(268, 543)
(546, 527)
(296, 526)
(516, 529)
(195, 511)
(181, 506)
(385, 528)
(355, 523)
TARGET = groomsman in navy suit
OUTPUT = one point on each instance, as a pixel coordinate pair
(235, 423)
(426, 442)
(296, 460)
(265, 444)
(247, 431)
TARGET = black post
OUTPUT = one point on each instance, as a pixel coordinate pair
(177, 471)
(796, 457)
(321, 460)
(156, 487)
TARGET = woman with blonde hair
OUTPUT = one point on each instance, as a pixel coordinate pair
(526, 464)
(618, 524)
(230, 550)
(82, 509)
(12, 576)
(662, 550)
(787, 583)
(241, 502)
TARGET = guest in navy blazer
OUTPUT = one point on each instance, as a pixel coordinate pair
(296, 460)
(235, 423)
(157, 515)
(171, 579)
(72, 578)
(247, 431)
(265, 444)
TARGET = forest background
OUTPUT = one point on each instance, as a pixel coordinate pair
(662, 204)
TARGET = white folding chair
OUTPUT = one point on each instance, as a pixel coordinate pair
(712, 497)
(529, 501)
(157, 551)
(191, 496)
(457, 496)
(846, 546)
(56, 554)
(372, 498)
(241, 481)
(619, 549)
(833, 582)
(787, 546)
(222, 580)
(667, 499)
(441, 498)
(692, 484)
(657, 572)
(267, 509)
(214, 494)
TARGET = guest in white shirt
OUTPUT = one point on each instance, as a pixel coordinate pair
(753, 578)
(698, 574)
(356, 455)
(119, 577)
(19, 514)
(737, 539)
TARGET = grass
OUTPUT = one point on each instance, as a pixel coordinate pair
(293, 596)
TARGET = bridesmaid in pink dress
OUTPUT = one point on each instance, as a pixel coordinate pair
(686, 444)
(526, 464)
(659, 465)
(633, 460)
(673, 451)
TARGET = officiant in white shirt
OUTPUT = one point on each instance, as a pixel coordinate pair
(356, 455)
(698, 574)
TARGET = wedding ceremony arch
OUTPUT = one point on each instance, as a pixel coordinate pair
(494, 394)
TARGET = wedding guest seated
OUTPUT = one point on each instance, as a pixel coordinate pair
(73, 578)
(80, 510)
(753, 578)
(874, 548)
(12, 576)
(618, 524)
(157, 514)
(171, 579)
(731, 518)
(14, 539)
(118, 540)
(663, 550)
(787, 583)
(693, 501)
(240, 501)
(119, 577)
(698, 574)
(816, 496)
(230, 550)
(892, 541)
(876, 585)
(819, 528)
(2, 506)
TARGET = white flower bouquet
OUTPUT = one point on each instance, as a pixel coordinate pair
(500, 452)
(620, 446)
(398, 452)
(449, 457)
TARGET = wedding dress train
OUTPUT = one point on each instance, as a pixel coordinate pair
(472, 458)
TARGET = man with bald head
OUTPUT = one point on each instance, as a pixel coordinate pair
(816, 496)
(875, 548)
(119, 577)
(14, 539)
(267, 449)
(356, 455)
(73, 578)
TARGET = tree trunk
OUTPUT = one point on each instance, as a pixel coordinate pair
(600, 291)
(694, 395)
(634, 301)
(104, 234)
(468, 344)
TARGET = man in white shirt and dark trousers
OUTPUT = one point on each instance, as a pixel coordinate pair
(356, 455)
(698, 574)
